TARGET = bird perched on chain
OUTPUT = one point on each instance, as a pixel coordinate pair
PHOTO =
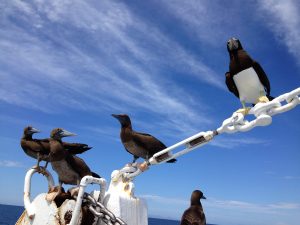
(246, 79)
(70, 168)
(40, 148)
(194, 215)
(140, 144)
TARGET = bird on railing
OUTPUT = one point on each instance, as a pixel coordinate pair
(139, 144)
(246, 79)
(194, 215)
(70, 168)
(40, 148)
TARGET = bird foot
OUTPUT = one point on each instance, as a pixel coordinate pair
(143, 167)
(74, 191)
(244, 111)
(42, 170)
(262, 99)
(52, 193)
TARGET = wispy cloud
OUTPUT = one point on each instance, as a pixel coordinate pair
(50, 69)
(8, 163)
(283, 18)
(248, 206)
(164, 200)
(212, 23)
(288, 177)
(227, 204)
(231, 143)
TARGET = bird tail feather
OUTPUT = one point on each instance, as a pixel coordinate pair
(95, 175)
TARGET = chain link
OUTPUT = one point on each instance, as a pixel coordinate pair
(263, 113)
(100, 211)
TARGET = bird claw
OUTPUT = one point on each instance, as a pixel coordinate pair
(262, 99)
(74, 191)
(243, 111)
(52, 193)
(144, 166)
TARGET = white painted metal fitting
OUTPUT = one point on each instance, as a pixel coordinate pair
(83, 183)
(30, 209)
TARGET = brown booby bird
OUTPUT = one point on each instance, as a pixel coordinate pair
(194, 215)
(246, 79)
(70, 169)
(35, 148)
(139, 144)
(40, 148)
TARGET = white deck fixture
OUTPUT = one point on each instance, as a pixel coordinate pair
(120, 200)
(30, 208)
(83, 184)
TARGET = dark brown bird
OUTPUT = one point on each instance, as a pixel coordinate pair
(35, 148)
(246, 79)
(40, 148)
(194, 215)
(139, 144)
(70, 169)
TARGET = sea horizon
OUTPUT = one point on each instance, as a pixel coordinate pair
(9, 214)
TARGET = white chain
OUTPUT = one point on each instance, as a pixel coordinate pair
(263, 113)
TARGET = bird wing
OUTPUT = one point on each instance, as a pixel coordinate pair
(185, 220)
(78, 165)
(231, 85)
(193, 217)
(262, 76)
(148, 142)
(76, 148)
(36, 145)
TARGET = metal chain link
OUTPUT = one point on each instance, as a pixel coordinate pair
(100, 211)
(263, 113)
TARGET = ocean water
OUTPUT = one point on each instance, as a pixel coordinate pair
(9, 215)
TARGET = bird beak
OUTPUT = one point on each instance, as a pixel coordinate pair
(203, 197)
(65, 133)
(34, 130)
(116, 116)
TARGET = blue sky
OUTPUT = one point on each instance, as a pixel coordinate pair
(72, 64)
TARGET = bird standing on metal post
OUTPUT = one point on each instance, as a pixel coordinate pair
(194, 215)
(40, 148)
(33, 147)
(140, 144)
(246, 79)
(70, 169)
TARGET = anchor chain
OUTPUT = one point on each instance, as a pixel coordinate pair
(263, 113)
(101, 212)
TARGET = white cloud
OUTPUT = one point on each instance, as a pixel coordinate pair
(232, 143)
(248, 206)
(165, 200)
(288, 177)
(8, 163)
(50, 70)
(283, 18)
(226, 204)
